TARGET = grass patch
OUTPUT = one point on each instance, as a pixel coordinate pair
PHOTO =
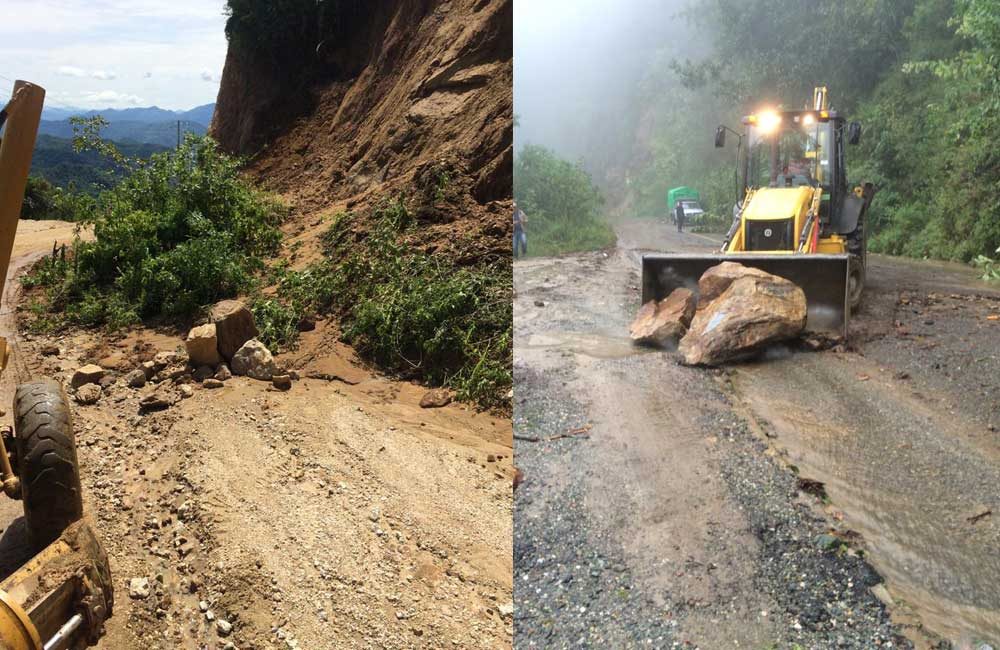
(411, 313)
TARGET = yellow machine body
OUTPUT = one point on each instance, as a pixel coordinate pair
(798, 219)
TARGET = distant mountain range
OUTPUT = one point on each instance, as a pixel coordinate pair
(152, 125)
(199, 114)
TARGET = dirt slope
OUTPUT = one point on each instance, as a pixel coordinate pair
(415, 98)
(697, 529)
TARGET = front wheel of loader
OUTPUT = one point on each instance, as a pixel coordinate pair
(46, 452)
(855, 285)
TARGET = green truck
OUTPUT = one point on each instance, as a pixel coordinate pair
(687, 197)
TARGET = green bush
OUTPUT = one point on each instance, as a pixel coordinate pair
(180, 231)
(564, 209)
(409, 312)
(43, 200)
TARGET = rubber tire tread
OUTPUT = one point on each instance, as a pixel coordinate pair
(49, 469)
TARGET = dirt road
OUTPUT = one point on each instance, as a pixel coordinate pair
(688, 513)
(336, 515)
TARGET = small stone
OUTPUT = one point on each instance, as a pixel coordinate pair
(88, 394)
(827, 542)
(155, 402)
(254, 360)
(185, 390)
(203, 605)
(374, 514)
(223, 373)
(138, 588)
(213, 383)
(435, 399)
(137, 378)
(89, 374)
(281, 382)
(224, 627)
(202, 345)
(506, 610)
(148, 368)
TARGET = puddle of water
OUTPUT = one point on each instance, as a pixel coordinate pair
(597, 346)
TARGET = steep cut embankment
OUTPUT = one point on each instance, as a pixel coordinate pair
(351, 102)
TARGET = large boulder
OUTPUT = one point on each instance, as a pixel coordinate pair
(714, 282)
(663, 322)
(753, 311)
(202, 346)
(234, 326)
(253, 359)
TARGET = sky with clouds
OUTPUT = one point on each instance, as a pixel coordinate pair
(116, 53)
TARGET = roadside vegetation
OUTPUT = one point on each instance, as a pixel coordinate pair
(923, 77)
(565, 210)
(184, 229)
(179, 231)
(407, 311)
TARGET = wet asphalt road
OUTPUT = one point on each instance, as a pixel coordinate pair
(676, 518)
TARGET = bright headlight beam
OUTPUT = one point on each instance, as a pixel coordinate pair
(768, 121)
(808, 119)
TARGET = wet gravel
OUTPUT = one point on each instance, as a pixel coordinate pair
(823, 588)
(572, 586)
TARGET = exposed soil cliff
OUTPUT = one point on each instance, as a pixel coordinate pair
(378, 99)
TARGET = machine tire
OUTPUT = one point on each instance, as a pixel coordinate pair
(855, 284)
(48, 466)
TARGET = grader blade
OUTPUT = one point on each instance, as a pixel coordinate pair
(823, 278)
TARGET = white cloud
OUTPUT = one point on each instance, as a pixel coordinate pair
(104, 75)
(108, 99)
(206, 75)
(70, 71)
(147, 74)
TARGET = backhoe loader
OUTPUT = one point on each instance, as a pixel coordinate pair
(796, 216)
(62, 595)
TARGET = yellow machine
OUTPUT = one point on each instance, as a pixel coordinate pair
(60, 597)
(796, 216)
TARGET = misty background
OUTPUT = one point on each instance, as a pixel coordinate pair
(617, 101)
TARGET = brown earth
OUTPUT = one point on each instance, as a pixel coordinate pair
(338, 514)
(425, 111)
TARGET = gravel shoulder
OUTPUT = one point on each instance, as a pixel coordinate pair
(699, 502)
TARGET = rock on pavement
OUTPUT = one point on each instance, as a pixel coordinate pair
(717, 279)
(253, 359)
(659, 323)
(202, 346)
(751, 311)
(234, 326)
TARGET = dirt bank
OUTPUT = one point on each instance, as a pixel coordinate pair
(687, 492)
(335, 515)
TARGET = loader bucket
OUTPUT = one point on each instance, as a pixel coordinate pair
(823, 278)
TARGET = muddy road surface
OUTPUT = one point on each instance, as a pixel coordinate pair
(848, 498)
(338, 514)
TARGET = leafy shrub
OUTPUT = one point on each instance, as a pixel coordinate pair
(180, 231)
(405, 310)
(43, 200)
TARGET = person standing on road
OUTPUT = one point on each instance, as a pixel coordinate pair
(679, 214)
(520, 236)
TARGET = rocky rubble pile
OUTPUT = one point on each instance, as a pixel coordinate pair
(739, 311)
(213, 353)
